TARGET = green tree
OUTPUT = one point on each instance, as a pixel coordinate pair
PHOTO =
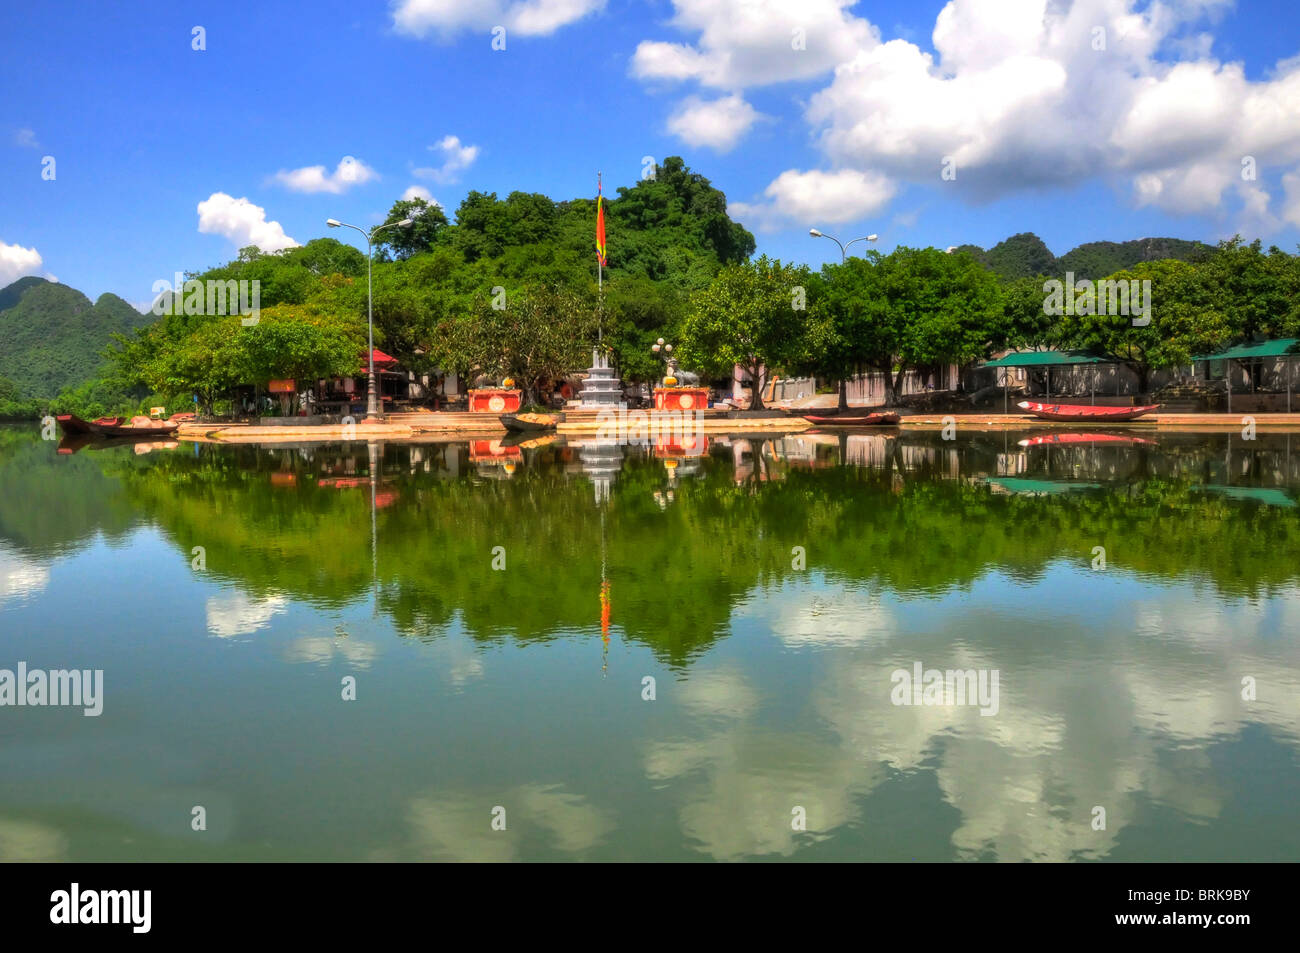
(1257, 292)
(637, 311)
(1184, 320)
(305, 343)
(427, 223)
(1026, 325)
(204, 363)
(755, 315)
(540, 335)
(911, 310)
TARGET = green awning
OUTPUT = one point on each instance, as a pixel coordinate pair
(1278, 348)
(1046, 359)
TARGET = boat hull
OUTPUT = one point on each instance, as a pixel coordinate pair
(1084, 411)
(71, 424)
(517, 423)
(854, 420)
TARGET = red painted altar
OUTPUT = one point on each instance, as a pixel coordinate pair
(494, 400)
(681, 398)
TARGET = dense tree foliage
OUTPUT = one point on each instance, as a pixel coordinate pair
(910, 310)
(534, 338)
(1184, 321)
(755, 315)
(679, 267)
(52, 336)
(427, 221)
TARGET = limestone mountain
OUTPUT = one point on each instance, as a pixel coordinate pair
(1026, 256)
(52, 336)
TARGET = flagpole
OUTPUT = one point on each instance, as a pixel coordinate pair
(600, 285)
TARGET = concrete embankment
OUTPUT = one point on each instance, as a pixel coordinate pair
(426, 426)
(1156, 421)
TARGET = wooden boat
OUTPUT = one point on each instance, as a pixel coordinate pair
(1084, 411)
(141, 428)
(72, 424)
(1081, 438)
(529, 423)
(880, 418)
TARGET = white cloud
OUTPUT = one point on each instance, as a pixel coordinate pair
(456, 158)
(1017, 96)
(524, 17)
(795, 197)
(755, 42)
(17, 261)
(242, 222)
(314, 178)
(236, 613)
(1020, 98)
(718, 124)
(420, 192)
(26, 138)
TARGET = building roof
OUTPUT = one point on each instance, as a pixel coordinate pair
(1275, 348)
(1046, 359)
(381, 360)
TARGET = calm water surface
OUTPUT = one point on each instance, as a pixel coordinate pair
(769, 587)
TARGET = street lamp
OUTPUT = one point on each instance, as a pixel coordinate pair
(666, 352)
(372, 404)
(844, 254)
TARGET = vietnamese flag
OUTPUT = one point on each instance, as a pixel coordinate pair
(600, 225)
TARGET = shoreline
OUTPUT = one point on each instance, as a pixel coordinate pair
(462, 426)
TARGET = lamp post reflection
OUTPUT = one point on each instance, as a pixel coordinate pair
(376, 455)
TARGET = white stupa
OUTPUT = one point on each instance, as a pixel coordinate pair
(601, 389)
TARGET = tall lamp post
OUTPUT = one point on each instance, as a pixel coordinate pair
(844, 253)
(372, 403)
(844, 256)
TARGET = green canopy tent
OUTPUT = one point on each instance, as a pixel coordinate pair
(1048, 359)
(1255, 352)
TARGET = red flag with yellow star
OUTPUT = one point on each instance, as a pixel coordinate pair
(600, 225)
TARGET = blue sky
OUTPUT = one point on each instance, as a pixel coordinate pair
(849, 131)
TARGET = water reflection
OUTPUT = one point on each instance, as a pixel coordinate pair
(770, 584)
(20, 576)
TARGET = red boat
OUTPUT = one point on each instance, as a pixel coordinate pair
(854, 420)
(1077, 438)
(1084, 411)
(138, 427)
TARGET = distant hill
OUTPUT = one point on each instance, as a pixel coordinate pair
(52, 336)
(1026, 256)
